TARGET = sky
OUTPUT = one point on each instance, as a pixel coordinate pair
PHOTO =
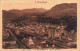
(28, 4)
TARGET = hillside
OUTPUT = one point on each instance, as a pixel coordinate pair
(20, 14)
(61, 10)
(65, 14)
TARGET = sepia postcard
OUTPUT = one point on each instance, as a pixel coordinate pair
(39, 25)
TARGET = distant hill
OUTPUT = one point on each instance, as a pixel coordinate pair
(20, 14)
(27, 11)
(58, 11)
(8, 16)
(61, 10)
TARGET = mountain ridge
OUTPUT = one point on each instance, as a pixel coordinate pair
(28, 11)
